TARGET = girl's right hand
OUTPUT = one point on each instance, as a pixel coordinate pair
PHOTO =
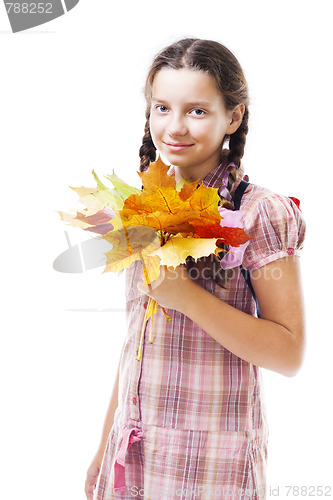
(92, 475)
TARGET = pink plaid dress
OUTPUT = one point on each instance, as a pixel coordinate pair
(191, 421)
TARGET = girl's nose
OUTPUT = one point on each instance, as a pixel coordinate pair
(177, 126)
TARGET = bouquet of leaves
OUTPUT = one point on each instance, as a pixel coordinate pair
(162, 224)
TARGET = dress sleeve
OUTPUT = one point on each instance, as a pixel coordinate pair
(278, 228)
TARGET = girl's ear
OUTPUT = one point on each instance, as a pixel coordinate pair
(236, 117)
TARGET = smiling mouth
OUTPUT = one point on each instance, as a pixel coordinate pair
(177, 146)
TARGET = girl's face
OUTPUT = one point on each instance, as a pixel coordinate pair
(188, 120)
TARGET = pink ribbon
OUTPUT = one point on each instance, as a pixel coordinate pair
(130, 436)
(235, 255)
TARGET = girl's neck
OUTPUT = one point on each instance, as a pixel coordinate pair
(200, 171)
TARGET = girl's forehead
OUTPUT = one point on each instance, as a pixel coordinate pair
(185, 84)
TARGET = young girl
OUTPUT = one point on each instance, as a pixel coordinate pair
(189, 420)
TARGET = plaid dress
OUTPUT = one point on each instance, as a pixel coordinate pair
(191, 420)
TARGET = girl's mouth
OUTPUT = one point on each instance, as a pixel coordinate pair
(177, 146)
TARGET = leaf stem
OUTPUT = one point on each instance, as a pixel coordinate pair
(150, 311)
(162, 238)
(153, 306)
(166, 314)
(143, 333)
(127, 241)
(145, 272)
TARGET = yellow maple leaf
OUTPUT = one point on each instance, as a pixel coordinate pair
(177, 249)
(131, 244)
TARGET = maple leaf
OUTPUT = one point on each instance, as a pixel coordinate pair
(188, 190)
(131, 244)
(177, 249)
(157, 175)
(99, 221)
(122, 188)
(233, 236)
(87, 196)
(160, 209)
(102, 204)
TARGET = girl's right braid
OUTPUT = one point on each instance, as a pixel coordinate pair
(147, 151)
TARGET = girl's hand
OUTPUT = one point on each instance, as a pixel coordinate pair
(92, 475)
(171, 289)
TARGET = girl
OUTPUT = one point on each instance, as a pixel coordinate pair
(189, 421)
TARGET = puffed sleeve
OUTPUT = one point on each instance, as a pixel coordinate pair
(277, 227)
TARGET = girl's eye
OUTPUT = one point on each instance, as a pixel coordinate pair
(161, 108)
(198, 112)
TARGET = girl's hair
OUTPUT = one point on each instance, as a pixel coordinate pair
(214, 59)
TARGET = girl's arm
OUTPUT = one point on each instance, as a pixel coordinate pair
(95, 466)
(275, 341)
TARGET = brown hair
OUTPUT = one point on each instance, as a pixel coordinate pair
(214, 59)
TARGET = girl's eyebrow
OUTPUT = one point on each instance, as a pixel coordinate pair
(188, 103)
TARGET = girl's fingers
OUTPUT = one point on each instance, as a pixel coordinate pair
(91, 481)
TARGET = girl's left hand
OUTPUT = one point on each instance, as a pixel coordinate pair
(171, 288)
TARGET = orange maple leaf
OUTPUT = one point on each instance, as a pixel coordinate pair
(157, 175)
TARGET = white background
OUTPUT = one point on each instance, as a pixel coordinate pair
(71, 100)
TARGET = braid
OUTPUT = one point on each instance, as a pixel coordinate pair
(233, 175)
(147, 151)
(238, 139)
(236, 151)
